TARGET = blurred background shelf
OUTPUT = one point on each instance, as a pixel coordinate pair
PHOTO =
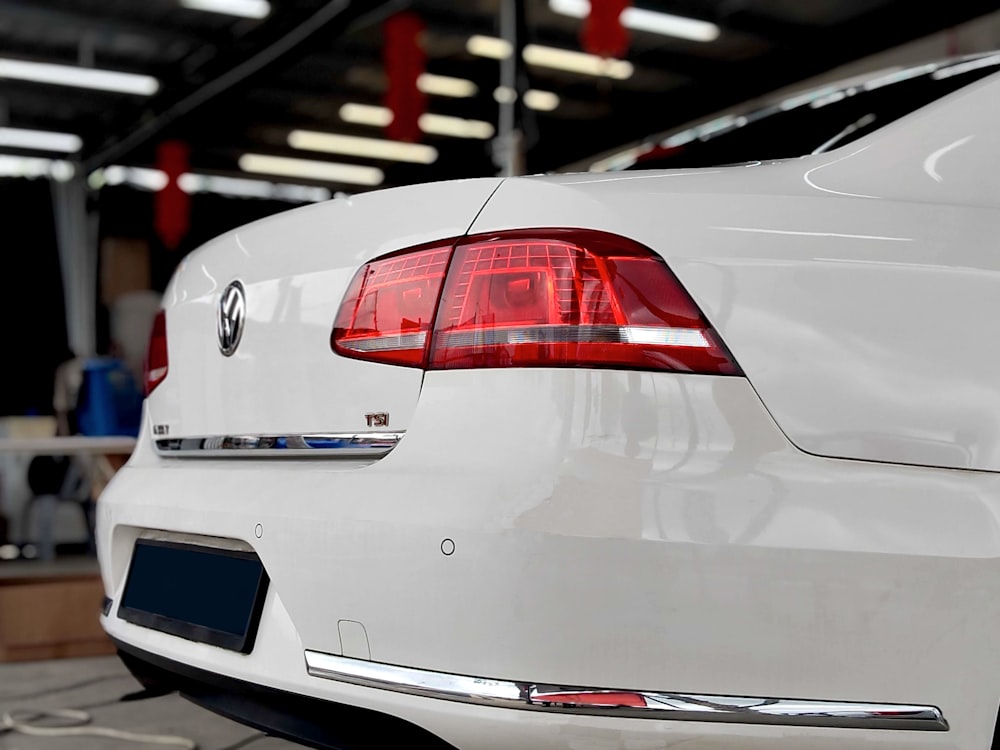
(51, 611)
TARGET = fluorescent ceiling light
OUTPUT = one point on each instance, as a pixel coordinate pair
(71, 75)
(455, 127)
(640, 19)
(543, 101)
(373, 148)
(489, 46)
(241, 187)
(437, 85)
(192, 182)
(41, 140)
(311, 170)
(552, 57)
(242, 8)
(366, 114)
(140, 177)
(25, 166)
(504, 94)
(577, 62)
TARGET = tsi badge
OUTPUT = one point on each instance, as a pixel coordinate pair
(232, 316)
(379, 419)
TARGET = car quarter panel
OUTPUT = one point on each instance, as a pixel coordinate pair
(858, 290)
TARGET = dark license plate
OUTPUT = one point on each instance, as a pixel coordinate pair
(200, 593)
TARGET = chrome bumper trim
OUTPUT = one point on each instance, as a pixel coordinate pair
(641, 704)
(331, 445)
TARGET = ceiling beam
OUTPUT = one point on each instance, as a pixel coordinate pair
(633, 120)
(181, 98)
(99, 24)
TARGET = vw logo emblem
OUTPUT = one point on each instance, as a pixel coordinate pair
(232, 316)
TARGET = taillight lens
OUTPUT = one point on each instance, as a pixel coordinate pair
(388, 312)
(155, 366)
(549, 298)
(568, 298)
(592, 698)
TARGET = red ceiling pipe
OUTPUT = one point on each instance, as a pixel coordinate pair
(404, 61)
(172, 206)
(603, 32)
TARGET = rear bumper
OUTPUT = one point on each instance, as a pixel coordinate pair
(333, 726)
(627, 531)
(308, 721)
(624, 703)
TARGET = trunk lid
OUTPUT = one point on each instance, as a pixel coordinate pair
(281, 378)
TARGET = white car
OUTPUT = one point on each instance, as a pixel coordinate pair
(703, 458)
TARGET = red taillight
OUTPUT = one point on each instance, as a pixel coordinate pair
(552, 298)
(155, 366)
(594, 698)
(568, 298)
(388, 311)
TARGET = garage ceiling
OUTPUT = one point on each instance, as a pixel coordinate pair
(233, 85)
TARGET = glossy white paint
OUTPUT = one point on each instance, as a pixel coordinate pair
(859, 290)
(295, 268)
(639, 530)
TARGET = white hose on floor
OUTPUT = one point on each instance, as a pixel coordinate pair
(77, 724)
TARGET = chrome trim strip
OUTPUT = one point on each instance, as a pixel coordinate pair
(325, 445)
(386, 343)
(582, 334)
(642, 704)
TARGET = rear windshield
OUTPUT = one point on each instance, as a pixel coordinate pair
(812, 122)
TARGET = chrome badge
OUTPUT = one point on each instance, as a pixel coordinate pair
(232, 316)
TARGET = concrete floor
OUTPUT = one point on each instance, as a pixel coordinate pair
(96, 686)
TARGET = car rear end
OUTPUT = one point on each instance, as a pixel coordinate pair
(488, 458)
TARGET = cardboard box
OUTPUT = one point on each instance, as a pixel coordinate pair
(27, 427)
(125, 267)
(51, 618)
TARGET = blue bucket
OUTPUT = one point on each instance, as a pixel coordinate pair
(109, 402)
